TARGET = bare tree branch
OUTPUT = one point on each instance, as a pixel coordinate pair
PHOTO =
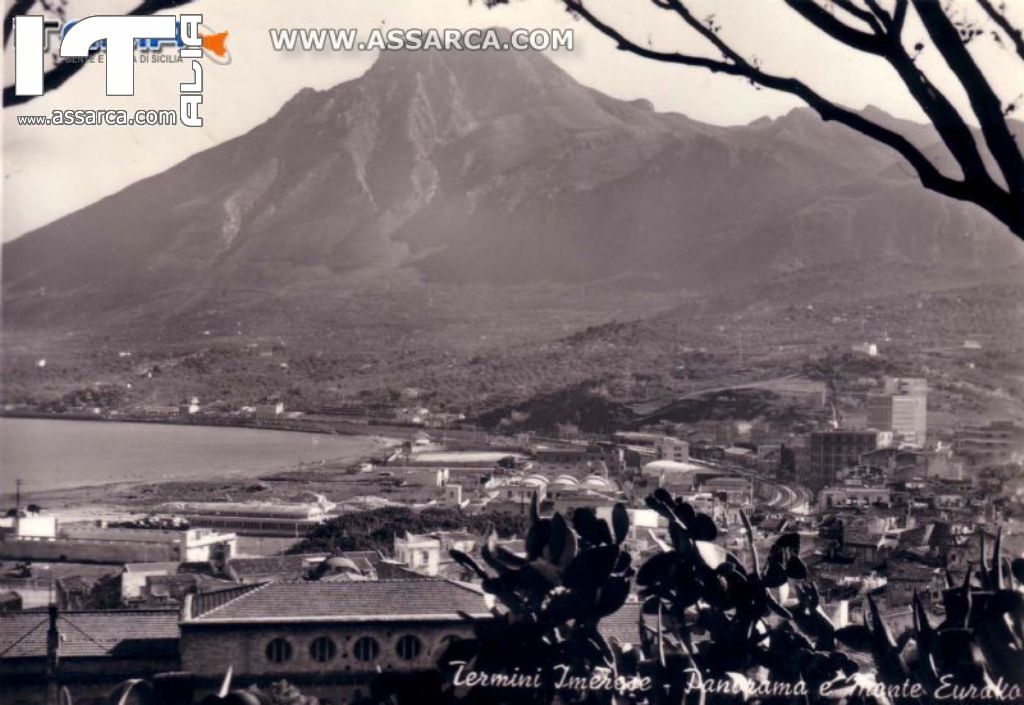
(984, 101)
(884, 40)
(869, 17)
(956, 134)
(1015, 35)
(868, 42)
(899, 15)
(743, 69)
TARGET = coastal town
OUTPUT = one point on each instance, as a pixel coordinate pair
(327, 574)
(657, 353)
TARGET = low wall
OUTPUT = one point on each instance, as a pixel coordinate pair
(85, 551)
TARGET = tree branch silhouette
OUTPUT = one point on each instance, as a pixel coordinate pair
(877, 29)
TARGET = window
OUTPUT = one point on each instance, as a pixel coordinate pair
(279, 651)
(408, 647)
(366, 648)
(322, 649)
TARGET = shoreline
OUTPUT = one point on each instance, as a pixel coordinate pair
(298, 425)
(129, 498)
(135, 499)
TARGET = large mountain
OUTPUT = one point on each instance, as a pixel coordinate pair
(443, 169)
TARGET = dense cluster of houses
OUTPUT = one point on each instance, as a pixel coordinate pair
(892, 517)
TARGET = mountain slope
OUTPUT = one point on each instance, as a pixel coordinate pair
(458, 168)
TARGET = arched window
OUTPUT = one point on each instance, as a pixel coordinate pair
(322, 649)
(366, 648)
(409, 647)
(279, 651)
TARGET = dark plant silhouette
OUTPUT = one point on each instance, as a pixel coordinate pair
(712, 628)
(549, 605)
(979, 643)
(712, 624)
(699, 589)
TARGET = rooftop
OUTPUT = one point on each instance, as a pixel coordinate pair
(165, 566)
(247, 509)
(910, 572)
(108, 633)
(370, 601)
(136, 535)
(673, 466)
(464, 457)
(273, 565)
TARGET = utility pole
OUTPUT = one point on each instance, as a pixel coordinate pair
(52, 656)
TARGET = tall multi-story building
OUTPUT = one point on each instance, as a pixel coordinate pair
(901, 407)
(832, 451)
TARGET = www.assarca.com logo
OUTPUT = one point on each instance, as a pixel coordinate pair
(120, 36)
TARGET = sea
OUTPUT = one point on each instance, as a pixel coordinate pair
(50, 454)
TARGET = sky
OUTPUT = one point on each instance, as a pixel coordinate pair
(51, 171)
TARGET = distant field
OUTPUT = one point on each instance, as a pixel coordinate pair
(969, 343)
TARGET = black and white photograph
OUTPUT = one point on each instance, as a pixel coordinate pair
(526, 352)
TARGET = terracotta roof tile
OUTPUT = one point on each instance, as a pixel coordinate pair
(274, 565)
(115, 633)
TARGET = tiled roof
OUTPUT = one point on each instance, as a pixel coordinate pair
(111, 633)
(918, 536)
(372, 557)
(363, 601)
(205, 601)
(169, 567)
(859, 538)
(942, 535)
(388, 570)
(910, 572)
(624, 625)
(273, 565)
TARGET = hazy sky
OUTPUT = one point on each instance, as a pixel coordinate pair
(51, 171)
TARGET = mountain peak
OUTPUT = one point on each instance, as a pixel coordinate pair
(495, 167)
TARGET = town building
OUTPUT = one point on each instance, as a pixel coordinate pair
(514, 493)
(675, 476)
(328, 638)
(269, 412)
(251, 518)
(428, 554)
(577, 460)
(592, 492)
(832, 451)
(733, 490)
(902, 408)
(674, 449)
(87, 652)
(865, 548)
(849, 496)
(119, 546)
(904, 580)
(997, 443)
